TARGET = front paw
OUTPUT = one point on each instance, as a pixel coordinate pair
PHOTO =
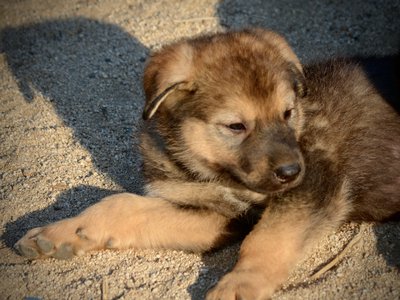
(61, 240)
(243, 285)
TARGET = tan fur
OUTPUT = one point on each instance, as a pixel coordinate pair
(129, 221)
(231, 141)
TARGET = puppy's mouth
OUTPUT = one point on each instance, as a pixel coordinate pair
(272, 188)
(269, 184)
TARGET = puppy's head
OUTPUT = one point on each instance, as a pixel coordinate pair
(228, 106)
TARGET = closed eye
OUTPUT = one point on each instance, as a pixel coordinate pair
(237, 127)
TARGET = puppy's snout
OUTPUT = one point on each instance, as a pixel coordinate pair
(287, 173)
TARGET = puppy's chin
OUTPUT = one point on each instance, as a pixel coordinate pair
(271, 185)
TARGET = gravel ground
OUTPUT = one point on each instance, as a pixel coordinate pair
(71, 98)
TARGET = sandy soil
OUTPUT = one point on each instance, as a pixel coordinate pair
(70, 94)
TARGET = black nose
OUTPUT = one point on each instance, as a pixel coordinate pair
(287, 173)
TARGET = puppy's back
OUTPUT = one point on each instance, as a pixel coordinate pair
(352, 125)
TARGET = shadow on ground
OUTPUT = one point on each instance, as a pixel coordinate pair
(318, 29)
(91, 73)
(388, 242)
(216, 265)
(384, 73)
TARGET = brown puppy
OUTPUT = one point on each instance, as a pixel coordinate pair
(234, 126)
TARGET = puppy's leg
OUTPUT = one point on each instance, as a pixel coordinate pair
(228, 201)
(278, 241)
(124, 221)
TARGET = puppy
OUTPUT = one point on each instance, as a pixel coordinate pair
(238, 138)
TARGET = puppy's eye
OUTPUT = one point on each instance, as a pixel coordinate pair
(288, 114)
(237, 127)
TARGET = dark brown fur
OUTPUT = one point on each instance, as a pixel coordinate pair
(238, 134)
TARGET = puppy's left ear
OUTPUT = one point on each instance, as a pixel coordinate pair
(298, 80)
(168, 71)
(153, 104)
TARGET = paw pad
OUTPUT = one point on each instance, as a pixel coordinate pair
(65, 251)
(44, 245)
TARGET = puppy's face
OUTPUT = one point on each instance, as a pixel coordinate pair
(227, 106)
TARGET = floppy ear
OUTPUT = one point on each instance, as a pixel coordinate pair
(153, 104)
(168, 71)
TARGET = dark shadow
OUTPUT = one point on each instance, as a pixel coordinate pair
(362, 28)
(91, 73)
(384, 73)
(221, 260)
(216, 265)
(388, 242)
